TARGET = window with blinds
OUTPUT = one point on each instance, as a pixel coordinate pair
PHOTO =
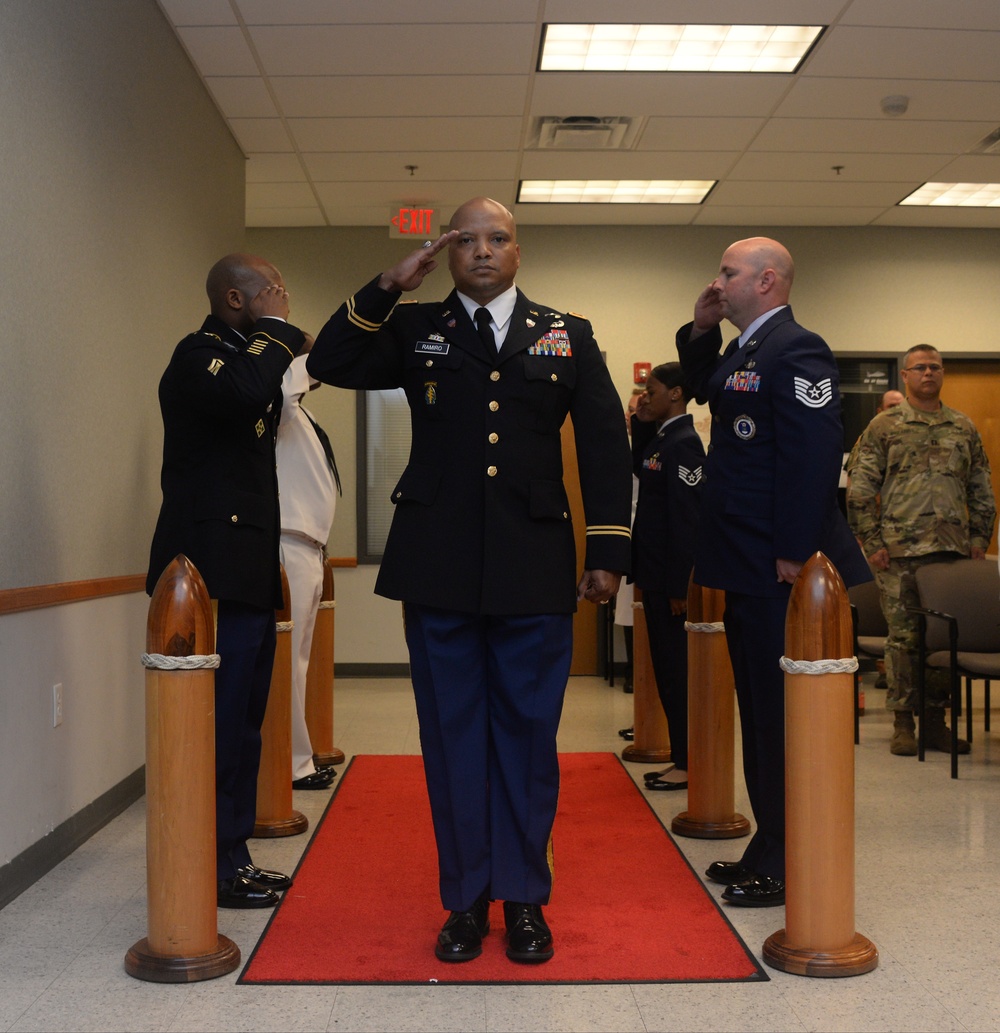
(383, 448)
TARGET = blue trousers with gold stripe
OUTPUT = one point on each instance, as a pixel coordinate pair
(489, 692)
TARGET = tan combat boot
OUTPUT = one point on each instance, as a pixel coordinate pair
(904, 743)
(937, 735)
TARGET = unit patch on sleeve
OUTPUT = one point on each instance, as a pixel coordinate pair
(215, 365)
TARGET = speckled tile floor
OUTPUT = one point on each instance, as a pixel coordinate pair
(927, 866)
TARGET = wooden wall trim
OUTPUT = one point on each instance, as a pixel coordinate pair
(38, 597)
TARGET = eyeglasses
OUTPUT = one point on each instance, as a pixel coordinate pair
(930, 367)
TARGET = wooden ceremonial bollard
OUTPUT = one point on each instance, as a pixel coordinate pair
(319, 679)
(275, 814)
(183, 944)
(819, 938)
(711, 812)
(652, 737)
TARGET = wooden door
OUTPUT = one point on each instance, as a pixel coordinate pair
(973, 386)
(585, 620)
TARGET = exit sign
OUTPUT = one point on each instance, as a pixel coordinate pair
(413, 222)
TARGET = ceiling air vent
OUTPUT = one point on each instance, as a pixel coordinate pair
(585, 132)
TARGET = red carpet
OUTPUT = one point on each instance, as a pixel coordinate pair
(365, 905)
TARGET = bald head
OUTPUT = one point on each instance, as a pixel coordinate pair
(478, 206)
(755, 276)
(233, 282)
(484, 257)
(246, 273)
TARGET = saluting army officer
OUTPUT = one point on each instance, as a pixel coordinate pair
(220, 397)
(481, 549)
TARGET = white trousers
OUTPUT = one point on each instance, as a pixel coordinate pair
(303, 562)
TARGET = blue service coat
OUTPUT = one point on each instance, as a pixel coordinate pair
(482, 521)
(773, 466)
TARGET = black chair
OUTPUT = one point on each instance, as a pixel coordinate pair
(959, 619)
(870, 631)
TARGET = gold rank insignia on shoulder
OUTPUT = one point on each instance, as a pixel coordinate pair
(260, 428)
(408, 301)
(256, 347)
(577, 314)
(215, 365)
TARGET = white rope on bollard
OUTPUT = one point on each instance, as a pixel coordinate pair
(157, 661)
(846, 666)
(284, 625)
(712, 628)
(328, 604)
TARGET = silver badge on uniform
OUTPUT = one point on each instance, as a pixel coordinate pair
(691, 477)
(744, 427)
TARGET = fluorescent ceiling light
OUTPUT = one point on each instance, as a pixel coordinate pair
(614, 191)
(956, 195)
(675, 48)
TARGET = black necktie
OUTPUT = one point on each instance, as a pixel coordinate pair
(327, 449)
(485, 330)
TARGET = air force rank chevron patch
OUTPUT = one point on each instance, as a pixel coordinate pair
(814, 395)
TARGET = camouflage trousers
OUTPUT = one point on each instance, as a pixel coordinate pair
(898, 589)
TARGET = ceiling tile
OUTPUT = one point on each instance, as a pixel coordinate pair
(260, 134)
(392, 134)
(900, 136)
(242, 96)
(198, 12)
(393, 49)
(907, 54)
(219, 51)
(363, 96)
(390, 12)
(390, 166)
(275, 168)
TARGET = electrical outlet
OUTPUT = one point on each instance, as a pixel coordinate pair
(57, 705)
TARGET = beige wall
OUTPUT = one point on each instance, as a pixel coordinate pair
(121, 185)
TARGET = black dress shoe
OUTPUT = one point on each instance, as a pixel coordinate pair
(241, 892)
(628, 734)
(652, 776)
(729, 872)
(528, 937)
(321, 778)
(461, 936)
(662, 783)
(264, 877)
(758, 891)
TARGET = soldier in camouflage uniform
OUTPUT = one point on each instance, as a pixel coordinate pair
(919, 493)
